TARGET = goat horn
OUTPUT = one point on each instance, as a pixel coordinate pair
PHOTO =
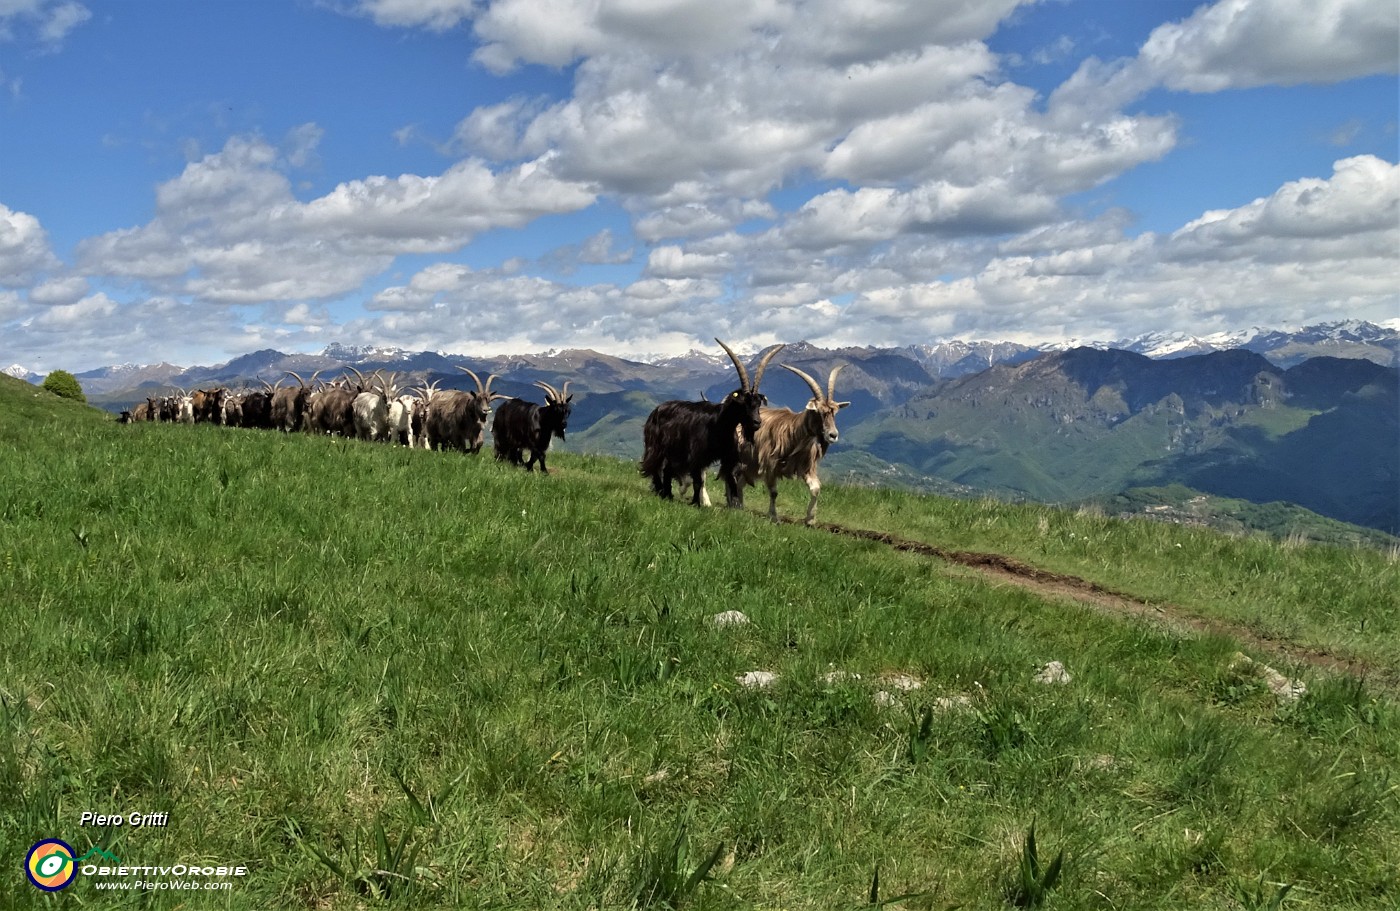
(564, 393)
(831, 382)
(550, 393)
(738, 365)
(811, 383)
(474, 377)
(487, 391)
(763, 365)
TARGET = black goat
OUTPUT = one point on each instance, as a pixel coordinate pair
(521, 425)
(682, 439)
(257, 410)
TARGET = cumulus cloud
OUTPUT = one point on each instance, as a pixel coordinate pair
(457, 308)
(24, 248)
(65, 290)
(874, 214)
(1239, 44)
(699, 219)
(1243, 43)
(1355, 212)
(230, 230)
(559, 32)
(901, 97)
(1317, 248)
(99, 329)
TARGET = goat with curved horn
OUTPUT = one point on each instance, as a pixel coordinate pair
(520, 426)
(370, 409)
(682, 439)
(457, 419)
(790, 444)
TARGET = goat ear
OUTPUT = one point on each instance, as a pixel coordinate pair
(840, 405)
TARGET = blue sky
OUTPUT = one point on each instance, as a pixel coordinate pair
(190, 181)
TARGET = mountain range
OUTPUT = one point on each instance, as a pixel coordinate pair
(1310, 417)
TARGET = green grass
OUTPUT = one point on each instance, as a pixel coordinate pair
(390, 678)
(1344, 600)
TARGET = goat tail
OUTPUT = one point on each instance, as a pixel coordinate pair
(652, 465)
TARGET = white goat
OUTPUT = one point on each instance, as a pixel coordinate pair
(371, 408)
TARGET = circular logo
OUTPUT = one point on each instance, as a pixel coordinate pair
(49, 865)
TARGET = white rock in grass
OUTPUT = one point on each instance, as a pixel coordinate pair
(902, 682)
(886, 700)
(949, 703)
(831, 678)
(1285, 689)
(757, 680)
(730, 618)
(1053, 673)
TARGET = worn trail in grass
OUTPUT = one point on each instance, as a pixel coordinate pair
(1053, 584)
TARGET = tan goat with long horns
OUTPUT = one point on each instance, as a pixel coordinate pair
(790, 444)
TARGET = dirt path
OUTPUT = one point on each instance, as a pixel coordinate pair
(1091, 594)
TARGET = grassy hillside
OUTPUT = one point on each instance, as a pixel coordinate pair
(378, 677)
(1283, 521)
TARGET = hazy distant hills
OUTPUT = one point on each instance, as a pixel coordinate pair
(1257, 416)
(1324, 434)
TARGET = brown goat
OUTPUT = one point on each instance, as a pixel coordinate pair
(457, 419)
(789, 444)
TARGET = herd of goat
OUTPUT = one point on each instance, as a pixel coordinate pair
(749, 439)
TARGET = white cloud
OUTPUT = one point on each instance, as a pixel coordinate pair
(871, 215)
(1245, 43)
(437, 15)
(693, 146)
(1355, 212)
(24, 248)
(558, 32)
(12, 306)
(673, 262)
(60, 19)
(49, 21)
(98, 330)
(600, 249)
(63, 317)
(1315, 249)
(65, 290)
(699, 219)
(230, 230)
